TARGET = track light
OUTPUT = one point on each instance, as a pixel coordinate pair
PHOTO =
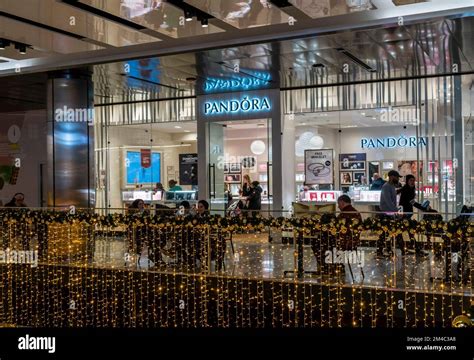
(204, 23)
(188, 15)
(4, 43)
(21, 48)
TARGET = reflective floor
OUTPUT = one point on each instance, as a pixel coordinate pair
(253, 256)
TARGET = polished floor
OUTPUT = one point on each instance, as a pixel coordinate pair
(253, 256)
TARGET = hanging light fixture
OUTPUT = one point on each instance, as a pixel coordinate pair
(257, 147)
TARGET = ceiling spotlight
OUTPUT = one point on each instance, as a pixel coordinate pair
(188, 15)
(21, 48)
(177, 127)
(204, 23)
(4, 43)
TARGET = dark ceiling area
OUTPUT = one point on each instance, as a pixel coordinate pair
(23, 92)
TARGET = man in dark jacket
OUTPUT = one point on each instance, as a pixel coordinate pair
(377, 182)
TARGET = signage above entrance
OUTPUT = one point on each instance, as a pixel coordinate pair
(392, 142)
(244, 105)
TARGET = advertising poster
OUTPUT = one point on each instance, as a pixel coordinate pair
(145, 155)
(188, 174)
(318, 166)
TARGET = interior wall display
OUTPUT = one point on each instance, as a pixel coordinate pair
(145, 157)
(388, 165)
(353, 165)
(233, 178)
(136, 174)
(354, 161)
(188, 172)
(319, 166)
(249, 162)
(359, 178)
(235, 168)
(346, 178)
(410, 167)
(374, 167)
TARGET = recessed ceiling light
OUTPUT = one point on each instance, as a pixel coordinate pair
(4, 43)
(187, 130)
(178, 127)
(188, 15)
(303, 124)
(362, 113)
(374, 118)
(21, 48)
(204, 23)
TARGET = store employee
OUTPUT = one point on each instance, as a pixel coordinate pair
(173, 185)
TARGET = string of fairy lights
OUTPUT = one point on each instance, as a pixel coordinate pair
(75, 287)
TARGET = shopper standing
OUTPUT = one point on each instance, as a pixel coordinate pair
(407, 202)
(388, 205)
(255, 197)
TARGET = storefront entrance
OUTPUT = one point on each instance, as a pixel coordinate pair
(239, 154)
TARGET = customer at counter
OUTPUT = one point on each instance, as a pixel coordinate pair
(246, 186)
(255, 197)
(160, 189)
(173, 186)
(377, 182)
(388, 206)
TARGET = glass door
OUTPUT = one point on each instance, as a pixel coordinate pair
(239, 151)
(216, 167)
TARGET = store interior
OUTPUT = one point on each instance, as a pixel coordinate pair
(140, 156)
(365, 143)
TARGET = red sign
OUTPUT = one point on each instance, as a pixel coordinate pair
(145, 158)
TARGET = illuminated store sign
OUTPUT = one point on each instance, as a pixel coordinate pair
(392, 142)
(237, 84)
(244, 105)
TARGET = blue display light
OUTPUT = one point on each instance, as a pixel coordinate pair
(234, 106)
(392, 142)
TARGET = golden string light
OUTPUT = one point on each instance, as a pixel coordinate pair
(73, 287)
